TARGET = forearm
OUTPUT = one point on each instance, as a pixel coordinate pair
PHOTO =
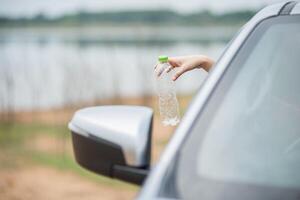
(205, 62)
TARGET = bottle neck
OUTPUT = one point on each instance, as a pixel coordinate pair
(162, 62)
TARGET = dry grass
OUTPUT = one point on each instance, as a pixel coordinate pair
(40, 182)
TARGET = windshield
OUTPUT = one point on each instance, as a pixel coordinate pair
(246, 142)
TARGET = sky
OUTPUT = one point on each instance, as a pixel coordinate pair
(53, 8)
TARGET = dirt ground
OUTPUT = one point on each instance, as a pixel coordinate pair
(31, 183)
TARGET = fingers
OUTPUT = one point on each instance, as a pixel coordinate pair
(159, 72)
(173, 63)
(169, 68)
(180, 72)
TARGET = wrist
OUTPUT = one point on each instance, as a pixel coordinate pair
(205, 62)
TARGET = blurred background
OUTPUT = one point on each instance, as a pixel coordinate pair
(60, 56)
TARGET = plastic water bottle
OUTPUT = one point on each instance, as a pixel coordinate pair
(168, 104)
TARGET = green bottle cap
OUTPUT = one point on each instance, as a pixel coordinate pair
(163, 59)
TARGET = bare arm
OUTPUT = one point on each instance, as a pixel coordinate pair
(187, 63)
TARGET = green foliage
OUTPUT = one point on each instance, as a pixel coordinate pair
(15, 133)
(135, 17)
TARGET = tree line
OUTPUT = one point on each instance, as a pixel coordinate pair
(155, 17)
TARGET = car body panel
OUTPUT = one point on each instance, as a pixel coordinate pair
(296, 9)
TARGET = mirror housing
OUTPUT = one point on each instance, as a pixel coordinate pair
(113, 141)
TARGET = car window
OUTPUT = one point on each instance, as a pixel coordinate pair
(246, 142)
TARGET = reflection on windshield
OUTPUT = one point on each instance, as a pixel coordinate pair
(248, 137)
(258, 120)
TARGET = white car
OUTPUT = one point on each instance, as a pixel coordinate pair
(239, 139)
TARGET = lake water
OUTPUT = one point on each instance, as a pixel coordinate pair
(48, 67)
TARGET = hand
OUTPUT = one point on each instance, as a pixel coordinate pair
(187, 63)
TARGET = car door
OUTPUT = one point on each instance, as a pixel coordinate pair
(241, 139)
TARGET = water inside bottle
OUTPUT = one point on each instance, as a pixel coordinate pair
(168, 104)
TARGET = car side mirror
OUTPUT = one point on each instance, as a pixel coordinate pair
(113, 141)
